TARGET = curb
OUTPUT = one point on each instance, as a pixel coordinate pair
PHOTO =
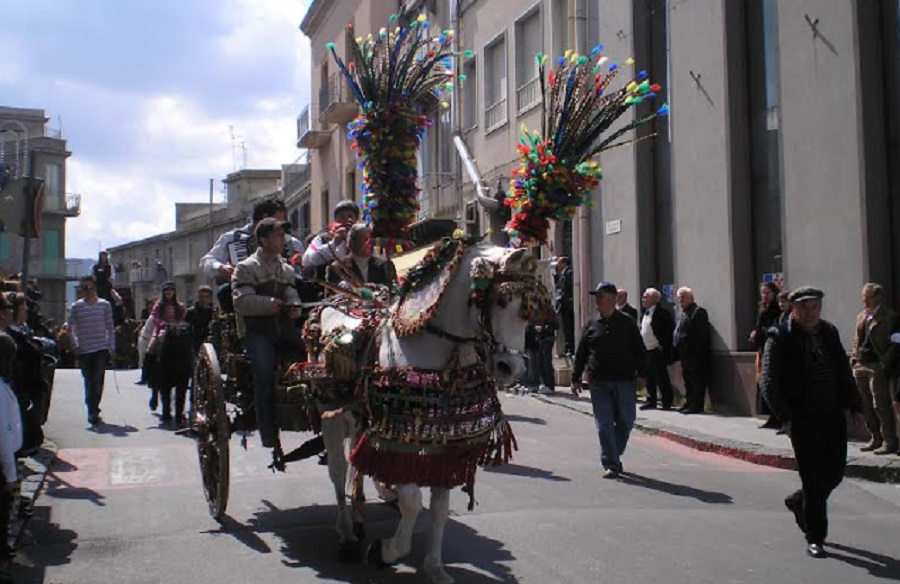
(857, 467)
(34, 470)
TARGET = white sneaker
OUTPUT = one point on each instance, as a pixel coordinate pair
(544, 390)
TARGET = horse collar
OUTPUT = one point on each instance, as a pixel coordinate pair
(430, 328)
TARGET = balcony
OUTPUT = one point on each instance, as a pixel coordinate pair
(439, 198)
(495, 116)
(336, 104)
(138, 275)
(47, 268)
(308, 137)
(298, 180)
(185, 267)
(68, 205)
(528, 95)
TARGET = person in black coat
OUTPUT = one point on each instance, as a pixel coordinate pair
(767, 317)
(360, 265)
(657, 325)
(564, 302)
(808, 383)
(622, 304)
(691, 342)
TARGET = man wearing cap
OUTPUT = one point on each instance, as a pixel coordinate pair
(807, 381)
(266, 301)
(612, 352)
(217, 263)
(331, 243)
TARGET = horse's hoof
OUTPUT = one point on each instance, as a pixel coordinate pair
(436, 573)
(374, 557)
(359, 530)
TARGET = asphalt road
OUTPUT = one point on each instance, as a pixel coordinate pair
(124, 505)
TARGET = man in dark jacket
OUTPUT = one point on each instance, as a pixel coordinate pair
(691, 343)
(622, 304)
(657, 325)
(612, 353)
(564, 302)
(360, 266)
(807, 381)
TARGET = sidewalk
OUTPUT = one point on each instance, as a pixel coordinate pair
(33, 472)
(735, 436)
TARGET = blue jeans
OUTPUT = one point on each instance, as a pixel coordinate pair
(261, 351)
(615, 408)
(93, 370)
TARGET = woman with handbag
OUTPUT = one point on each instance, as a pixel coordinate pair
(165, 312)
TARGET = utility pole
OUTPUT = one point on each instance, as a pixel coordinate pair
(210, 214)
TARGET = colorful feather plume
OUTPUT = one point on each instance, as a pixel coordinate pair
(557, 173)
(396, 76)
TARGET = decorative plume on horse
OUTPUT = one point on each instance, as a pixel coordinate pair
(556, 172)
(395, 75)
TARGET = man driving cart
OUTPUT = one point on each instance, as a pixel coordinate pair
(266, 303)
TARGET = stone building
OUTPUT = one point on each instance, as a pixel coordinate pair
(778, 161)
(28, 147)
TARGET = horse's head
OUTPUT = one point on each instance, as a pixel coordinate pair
(508, 295)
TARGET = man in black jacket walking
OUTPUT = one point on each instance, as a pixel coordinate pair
(807, 381)
(612, 353)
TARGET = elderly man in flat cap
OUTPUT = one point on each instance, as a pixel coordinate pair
(807, 381)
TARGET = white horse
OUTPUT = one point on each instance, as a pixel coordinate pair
(487, 335)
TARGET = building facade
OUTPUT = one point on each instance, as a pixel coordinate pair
(778, 162)
(29, 148)
(145, 264)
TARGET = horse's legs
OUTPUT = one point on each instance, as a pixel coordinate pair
(440, 510)
(334, 432)
(410, 503)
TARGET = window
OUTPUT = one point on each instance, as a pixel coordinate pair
(470, 94)
(52, 252)
(560, 33)
(53, 199)
(495, 84)
(529, 42)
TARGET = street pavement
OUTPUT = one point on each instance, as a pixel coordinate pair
(124, 505)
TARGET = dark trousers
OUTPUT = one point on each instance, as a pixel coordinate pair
(567, 324)
(696, 377)
(165, 395)
(93, 371)
(545, 371)
(658, 377)
(226, 302)
(261, 350)
(614, 405)
(6, 510)
(820, 447)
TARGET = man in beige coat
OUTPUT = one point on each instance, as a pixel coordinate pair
(874, 326)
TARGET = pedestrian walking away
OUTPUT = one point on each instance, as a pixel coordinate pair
(94, 339)
(613, 355)
(807, 382)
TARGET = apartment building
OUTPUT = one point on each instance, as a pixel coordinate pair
(778, 161)
(28, 147)
(145, 264)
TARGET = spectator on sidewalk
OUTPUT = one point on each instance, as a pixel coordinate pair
(94, 338)
(807, 382)
(874, 326)
(785, 306)
(10, 442)
(546, 338)
(657, 325)
(564, 303)
(692, 345)
(612, 353)
(766, 317)
(622, 304)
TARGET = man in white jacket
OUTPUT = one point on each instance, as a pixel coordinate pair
(10, 442)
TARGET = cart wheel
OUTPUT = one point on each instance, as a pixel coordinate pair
(212, 428)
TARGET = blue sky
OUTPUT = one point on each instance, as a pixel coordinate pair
(145, 93)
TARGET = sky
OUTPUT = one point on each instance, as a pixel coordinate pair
(145, 94)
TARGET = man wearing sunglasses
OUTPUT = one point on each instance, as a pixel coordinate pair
(612, 352)
(94, 340)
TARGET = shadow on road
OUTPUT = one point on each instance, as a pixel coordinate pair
(877, 565)
(711, 497)
(518, 470)
(50, 546)
(526, 419)
(113, 430)
(243, 533)
(309, 541)
(59, 488)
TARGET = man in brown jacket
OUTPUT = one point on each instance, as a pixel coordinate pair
(874, 326)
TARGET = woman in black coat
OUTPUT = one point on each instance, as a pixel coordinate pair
(767, 317)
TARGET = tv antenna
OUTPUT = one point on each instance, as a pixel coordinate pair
(234, 147)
